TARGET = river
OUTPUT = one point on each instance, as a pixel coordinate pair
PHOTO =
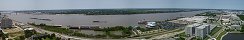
(106, 20)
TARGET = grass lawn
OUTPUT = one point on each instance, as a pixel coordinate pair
(241, 17)
(216, 29)
(221, 34)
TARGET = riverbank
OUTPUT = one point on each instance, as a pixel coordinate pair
(114, 11)
(106, 20)
(125, 31)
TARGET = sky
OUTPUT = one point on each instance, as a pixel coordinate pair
(110, 4)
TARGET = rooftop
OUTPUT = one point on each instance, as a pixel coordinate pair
(194, 25)
(151, 23)
(201, 27)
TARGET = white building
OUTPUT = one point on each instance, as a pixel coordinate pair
(6, 23)
(151, 24)
(190, 29)
(226, 19)
(198, 29)
(202, 31)
(236, 27)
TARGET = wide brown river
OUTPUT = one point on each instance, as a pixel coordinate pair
(105, 20)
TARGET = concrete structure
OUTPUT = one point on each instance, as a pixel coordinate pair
(190, 29)
(151, 24)
(197, 19)
(227, 19)
(207, 27)
(190, 20)
(235, 27)
(198, 29)
(6, 23)
(201, 32)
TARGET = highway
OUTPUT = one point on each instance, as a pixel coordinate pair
(222, 27)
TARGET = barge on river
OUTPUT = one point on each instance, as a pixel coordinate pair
(87, 27)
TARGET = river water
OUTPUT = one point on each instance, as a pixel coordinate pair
(234, 36)
(106, 20)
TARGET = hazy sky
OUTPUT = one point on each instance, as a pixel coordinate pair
(98, 4)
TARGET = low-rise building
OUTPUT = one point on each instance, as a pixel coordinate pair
(151, 24)
(235, 27)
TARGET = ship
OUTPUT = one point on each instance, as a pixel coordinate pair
(96, 21)
(45, 19)
(33, 18)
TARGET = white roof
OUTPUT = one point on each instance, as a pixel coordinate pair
(28, 29)
(151, 23)
(194, 25)
(201, 27)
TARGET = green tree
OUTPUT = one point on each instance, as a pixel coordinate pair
(22, 37)
(52, 36)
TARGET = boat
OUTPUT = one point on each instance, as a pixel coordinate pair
(57, 25)
(85, 27)
(33, 18)
(45, 19)
(96, 21)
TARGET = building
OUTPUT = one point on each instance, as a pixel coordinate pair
(29, 32)
(207, 27)
(235, 27)
(151, 24)
(198, 29)
(225, 19)
(190, 29)
(6, 23)
(202, 31)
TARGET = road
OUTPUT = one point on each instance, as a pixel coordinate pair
(222, 28)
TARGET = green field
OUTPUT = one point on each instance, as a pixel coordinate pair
(241, 17)
(221, 34)
(216, 29)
